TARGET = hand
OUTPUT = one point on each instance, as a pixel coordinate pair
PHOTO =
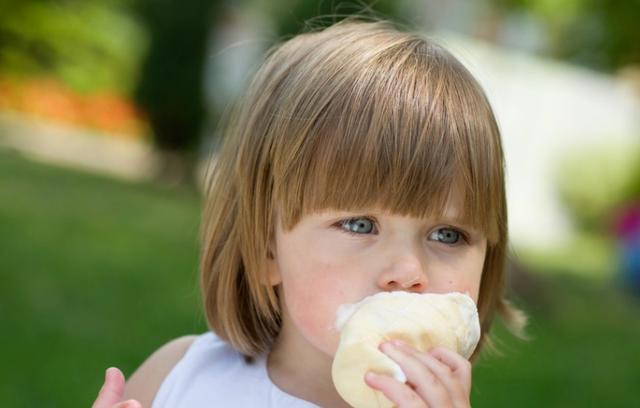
(435, 379)
(112, 391)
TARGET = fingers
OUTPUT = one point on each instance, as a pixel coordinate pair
(454, 375)
(112, 390)
(397, 392)
(460, 367)
(128, 404)
(425, 382)
(439, 378)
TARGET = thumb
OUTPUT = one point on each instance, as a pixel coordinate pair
(112, 390)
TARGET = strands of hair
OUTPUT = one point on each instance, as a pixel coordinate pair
(357, 115)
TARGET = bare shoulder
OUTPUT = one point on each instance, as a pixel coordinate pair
(144, 383)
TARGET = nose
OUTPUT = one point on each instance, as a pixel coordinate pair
(404, 272)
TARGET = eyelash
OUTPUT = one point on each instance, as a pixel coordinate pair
(340, 225)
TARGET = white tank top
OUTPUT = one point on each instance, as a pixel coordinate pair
(212, 374)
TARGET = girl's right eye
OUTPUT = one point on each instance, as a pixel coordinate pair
(358, 225)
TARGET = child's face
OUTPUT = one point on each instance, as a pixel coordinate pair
(321, 265)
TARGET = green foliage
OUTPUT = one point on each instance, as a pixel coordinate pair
(588, 254)
(556, 13)
(171, 85)
(89, 45)
(593, 182)
(600, 34)
(295, 16)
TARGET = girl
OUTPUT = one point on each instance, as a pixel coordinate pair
(361, 159)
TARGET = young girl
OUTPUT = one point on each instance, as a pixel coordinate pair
(361, 159)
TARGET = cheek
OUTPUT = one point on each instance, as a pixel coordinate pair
(473, 269)
(462, 276)
(314, 316)
(321, 274)
(448, 285)
(313, 290)
(471, 281)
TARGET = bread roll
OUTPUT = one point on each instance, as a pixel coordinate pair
(421, 320)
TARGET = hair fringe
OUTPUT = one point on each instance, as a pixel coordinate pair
(401, 122)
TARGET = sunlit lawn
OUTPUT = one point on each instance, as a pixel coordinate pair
(97, 272)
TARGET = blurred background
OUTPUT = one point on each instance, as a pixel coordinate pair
(110, 108)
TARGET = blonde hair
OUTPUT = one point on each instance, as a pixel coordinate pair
(358, 115)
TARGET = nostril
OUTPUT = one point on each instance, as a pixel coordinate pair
(416, 286)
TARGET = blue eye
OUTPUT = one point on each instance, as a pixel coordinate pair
(446, 236)
(360, 225)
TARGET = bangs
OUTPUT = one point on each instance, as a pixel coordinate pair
(357, 117)
(403, 131)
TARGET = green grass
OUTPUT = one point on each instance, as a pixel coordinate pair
(97, 272)
(583, 350)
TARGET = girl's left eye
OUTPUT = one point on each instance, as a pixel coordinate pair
(447, 236)
(358, 225)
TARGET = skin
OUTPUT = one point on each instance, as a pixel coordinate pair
(112, 391)
(335, 257)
